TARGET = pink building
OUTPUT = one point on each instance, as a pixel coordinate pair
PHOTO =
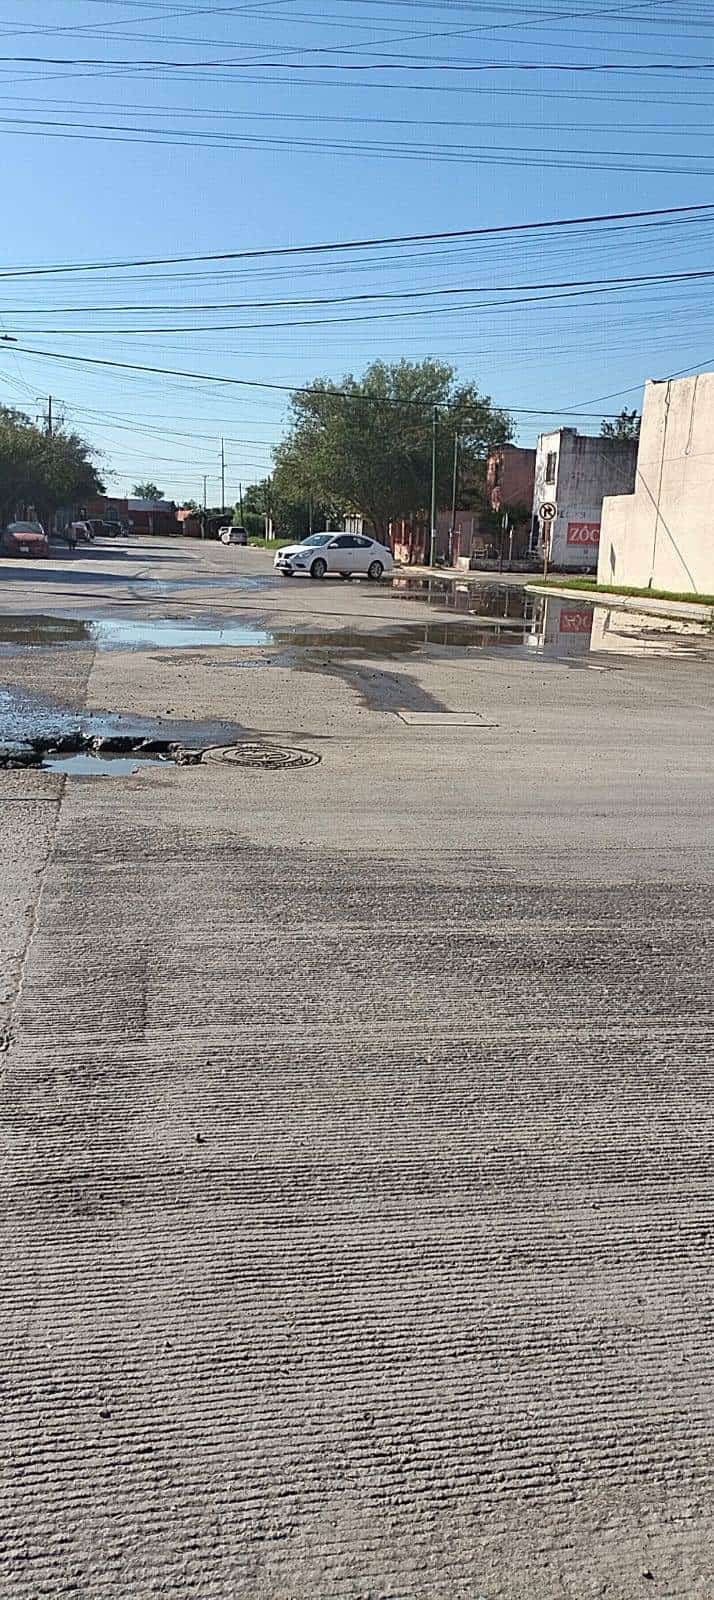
(510, 477)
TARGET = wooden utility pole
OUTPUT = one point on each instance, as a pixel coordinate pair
(432, 541)
(454, 491)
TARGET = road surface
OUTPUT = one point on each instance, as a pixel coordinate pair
(355, 1116)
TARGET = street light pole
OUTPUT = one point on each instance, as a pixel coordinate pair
(432, 546)
(223, 478)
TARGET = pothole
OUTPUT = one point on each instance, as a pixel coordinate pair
(92, 755)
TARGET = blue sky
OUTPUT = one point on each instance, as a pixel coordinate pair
(163, 129)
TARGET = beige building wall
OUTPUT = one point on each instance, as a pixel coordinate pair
(662, 536)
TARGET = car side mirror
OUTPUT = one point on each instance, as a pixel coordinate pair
(333, 545)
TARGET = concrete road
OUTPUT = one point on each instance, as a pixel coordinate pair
(355, 1117)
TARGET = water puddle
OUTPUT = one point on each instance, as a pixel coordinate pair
(474, 617)
(94, 766)
(501, 601)
(403, 641)
(567, 628)
(25, 631)
(125, 633)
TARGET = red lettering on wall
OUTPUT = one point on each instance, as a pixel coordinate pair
(583, 533)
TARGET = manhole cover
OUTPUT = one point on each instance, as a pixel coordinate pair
(269, 756)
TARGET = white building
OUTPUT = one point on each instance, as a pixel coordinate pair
(662, 536)
(573, 472)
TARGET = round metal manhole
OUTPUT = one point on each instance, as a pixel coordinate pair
(270, 757)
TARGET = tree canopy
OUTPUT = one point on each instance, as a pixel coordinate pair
(371, 453)
(147, 491)
(293, 514)
(626, 426)
(42, 470)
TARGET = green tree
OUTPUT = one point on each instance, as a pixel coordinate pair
(626, 426)
(371, 453)
(42, 470)
(147, 491)
(293, 515)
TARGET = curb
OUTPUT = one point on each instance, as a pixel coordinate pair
(683, 609)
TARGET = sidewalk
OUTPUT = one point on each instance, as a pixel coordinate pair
(482, 575)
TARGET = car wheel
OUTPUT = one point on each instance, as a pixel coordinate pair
(318, 568)
(375, 570)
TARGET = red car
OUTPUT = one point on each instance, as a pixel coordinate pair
(25, 539)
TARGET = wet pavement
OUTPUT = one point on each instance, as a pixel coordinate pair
(25, 714)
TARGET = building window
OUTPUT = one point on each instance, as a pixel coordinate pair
(496, 473)
(551, 465)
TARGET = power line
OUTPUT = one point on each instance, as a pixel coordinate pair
(596, 284)
(286, 388)
(406, 65)
(358, 244)
(387, 152)
(494, 155)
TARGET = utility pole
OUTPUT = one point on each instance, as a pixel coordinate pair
(240, 501)
(49, 415)
(432, 547)
(223, 478)
(203, 518)
(454, 489)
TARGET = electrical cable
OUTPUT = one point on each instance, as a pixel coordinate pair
(512, 228)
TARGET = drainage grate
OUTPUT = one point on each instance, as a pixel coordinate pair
(271, 757)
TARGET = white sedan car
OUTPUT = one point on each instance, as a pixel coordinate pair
(342, 553)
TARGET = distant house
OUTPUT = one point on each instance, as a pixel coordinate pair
(142, 516)
(510, 478)
(153, 517)
(411, 539)
(190, 522)
(574, 472)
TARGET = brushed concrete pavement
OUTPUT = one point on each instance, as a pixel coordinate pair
(356, 1132)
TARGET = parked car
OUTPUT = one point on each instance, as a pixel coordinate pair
(103, 529)
(345, 554)
(233, 535)
(25, 539)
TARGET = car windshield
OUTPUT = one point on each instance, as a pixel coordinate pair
(319, 538)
